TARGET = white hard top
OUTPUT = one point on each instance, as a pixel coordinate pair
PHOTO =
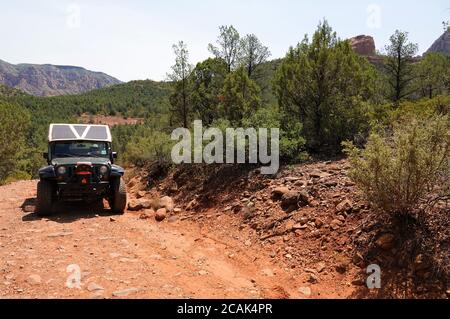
(79, 132)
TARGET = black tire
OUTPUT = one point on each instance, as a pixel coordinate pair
(44, 199)
(119, 197)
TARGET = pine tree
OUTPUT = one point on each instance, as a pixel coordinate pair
(321, 84)
(241, 96)
(400, 54)
(180, 76)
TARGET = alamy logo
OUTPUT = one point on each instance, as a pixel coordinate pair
(74, 279)
(374, 279)
(238, 143)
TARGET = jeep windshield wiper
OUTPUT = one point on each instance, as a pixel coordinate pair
(64, 155)
(95, 156)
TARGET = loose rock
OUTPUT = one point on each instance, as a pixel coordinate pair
(386, 241)
(135, 205)
(34, 279)
(125, 292)
(280, 191)
(306, 291)
(344, 206)
(94, 287)
(161, 214)
(167, 203)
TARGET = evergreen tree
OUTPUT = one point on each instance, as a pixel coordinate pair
(180, 76)
(322, 84)
(229, 46)
(253, 53)
(400, 54)
(241, 96)
(433, 74)
(207, 83)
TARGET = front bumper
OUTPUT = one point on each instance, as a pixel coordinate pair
(77, 191)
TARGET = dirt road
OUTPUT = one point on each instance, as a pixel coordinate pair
(125, 257)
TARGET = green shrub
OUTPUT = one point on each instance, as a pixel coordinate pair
(17, 176)
(292, 143)
(148, 148)
(404, 164)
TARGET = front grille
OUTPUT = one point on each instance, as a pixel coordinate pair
(72, 177)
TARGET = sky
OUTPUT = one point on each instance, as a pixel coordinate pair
(132, 40)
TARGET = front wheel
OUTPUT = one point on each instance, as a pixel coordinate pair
(119, 197)
(45, 196)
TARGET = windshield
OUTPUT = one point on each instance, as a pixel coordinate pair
(80, 149)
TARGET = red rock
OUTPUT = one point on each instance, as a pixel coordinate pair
(344, 206)
(167, 203)
(141, 194)
(280, 191)
(135, 205)
(386, 241)
(363, 45)
(161, 214)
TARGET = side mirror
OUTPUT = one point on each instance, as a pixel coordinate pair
(114, 154)
(45, 155)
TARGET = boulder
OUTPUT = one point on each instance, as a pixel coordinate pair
(139, 204)
(280, 191)
(146, 203)
(167, 203)
(161, 214)
(135, 205)
(292, 198)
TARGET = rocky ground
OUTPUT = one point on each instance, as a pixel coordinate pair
(224, 234)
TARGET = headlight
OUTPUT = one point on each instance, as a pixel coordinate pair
(62, 170)
(103, 170)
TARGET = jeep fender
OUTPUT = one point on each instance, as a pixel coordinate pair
(117, 171)
(47, 172)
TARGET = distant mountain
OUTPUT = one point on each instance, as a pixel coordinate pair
(441, 45)
(52, 80)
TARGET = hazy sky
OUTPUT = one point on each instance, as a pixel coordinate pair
(133, 39)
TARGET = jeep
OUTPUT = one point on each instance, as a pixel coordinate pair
(80, 168)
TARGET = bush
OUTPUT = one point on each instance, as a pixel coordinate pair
(292, 143)
(149, 148)
(404, 164)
